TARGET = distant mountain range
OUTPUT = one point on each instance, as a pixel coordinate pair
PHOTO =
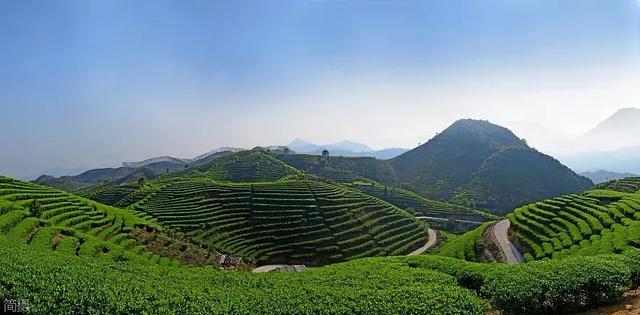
(620, 130)
(149, 168)
(479, 164)
(613, 145)
(161, 159)
(601, 176)
(344, 148)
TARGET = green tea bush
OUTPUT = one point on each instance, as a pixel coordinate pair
(542, 287)
(54, 283)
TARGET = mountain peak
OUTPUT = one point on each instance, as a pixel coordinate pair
(298, 142)
(627, 115)
(480, 131)
(614, 133)
(460, 164)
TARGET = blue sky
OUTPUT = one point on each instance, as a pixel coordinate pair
(95, 83)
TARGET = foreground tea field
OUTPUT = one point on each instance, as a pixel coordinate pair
(394, 285)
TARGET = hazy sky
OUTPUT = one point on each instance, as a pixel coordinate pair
(91, 83)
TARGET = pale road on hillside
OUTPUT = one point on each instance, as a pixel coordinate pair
(268, 268)
(501, 233)
(433, 238)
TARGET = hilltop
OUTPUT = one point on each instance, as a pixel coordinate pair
(483, 165)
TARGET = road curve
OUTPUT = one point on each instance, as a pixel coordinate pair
(433, 238)
(501, 233)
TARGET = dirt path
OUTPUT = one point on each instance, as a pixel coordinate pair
(267, 268)
(433, 238)
(283, 268)
(501, 233)
(630, 305)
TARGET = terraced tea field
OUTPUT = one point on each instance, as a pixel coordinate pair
(245, 166)
(296, 221)
(55, 220)
(342, 169)
(421, 206)
(628, 184)
(598, 221)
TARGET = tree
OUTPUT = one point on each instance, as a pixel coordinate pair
(142, 181)
(325, 153)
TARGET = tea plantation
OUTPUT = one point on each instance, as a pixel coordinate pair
(296, 221)
(598, 221)
(419, 205)
(65, 254)
(52, 219)
(54, 282)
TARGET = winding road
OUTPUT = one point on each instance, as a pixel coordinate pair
(433, 238)
(501, 233)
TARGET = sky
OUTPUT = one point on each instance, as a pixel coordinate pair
(95, 83)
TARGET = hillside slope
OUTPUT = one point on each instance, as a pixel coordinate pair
(479, 164)
(60, 221)
(441, 215)
(596, 222)
(294, 221)
(342, 169)
(245, 166)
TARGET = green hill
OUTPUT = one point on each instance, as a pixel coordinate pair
(598, 221)
(60, 221)
(482, 165)
(293, 221)
(53, 220)
(454, 217)
(245, 166)
(628, 184)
